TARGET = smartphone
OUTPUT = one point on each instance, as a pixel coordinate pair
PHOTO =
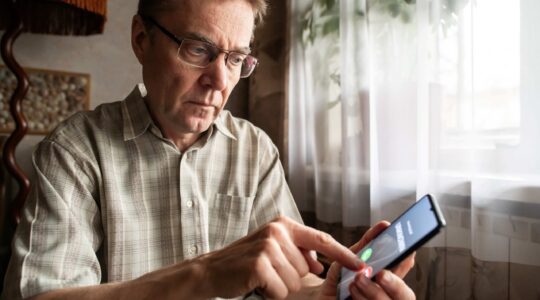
(419, 223)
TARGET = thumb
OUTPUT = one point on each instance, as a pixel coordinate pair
(330, 283)
(311, 258)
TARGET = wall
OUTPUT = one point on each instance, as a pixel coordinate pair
(108, 59)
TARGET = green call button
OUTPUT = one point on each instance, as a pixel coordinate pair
(366, 254)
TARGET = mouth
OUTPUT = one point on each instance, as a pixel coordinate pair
(200, 104)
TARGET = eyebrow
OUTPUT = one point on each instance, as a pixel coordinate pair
(202, 38)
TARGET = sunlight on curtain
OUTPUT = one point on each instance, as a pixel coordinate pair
(392, 99)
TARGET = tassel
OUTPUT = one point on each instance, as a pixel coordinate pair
(63, 17)
(95, 6)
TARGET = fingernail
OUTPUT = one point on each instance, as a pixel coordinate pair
(313, 254)
(360, 264)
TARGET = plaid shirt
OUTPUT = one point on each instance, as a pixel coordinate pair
(113, 199)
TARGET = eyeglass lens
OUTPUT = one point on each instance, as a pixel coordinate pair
(200, 54)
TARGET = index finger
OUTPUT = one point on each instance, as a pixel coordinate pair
(311, 239)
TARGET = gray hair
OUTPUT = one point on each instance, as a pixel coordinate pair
(151, 7)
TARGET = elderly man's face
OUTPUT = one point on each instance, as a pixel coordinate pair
(182, 98)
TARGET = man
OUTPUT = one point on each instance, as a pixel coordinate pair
(153, 196)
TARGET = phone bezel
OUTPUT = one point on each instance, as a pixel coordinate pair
(441, 224)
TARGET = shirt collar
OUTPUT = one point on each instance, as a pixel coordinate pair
(221, 125)
(135, 114)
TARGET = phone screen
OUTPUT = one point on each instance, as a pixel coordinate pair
(408, 232)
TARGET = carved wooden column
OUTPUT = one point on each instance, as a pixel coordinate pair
(15, 106)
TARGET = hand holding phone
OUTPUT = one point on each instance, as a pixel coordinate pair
(408, 232)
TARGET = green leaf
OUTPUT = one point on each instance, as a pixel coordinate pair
(394, 9)
(405, 16)
(331, 26)
(330, 4)
(332, 104)
(335, 77)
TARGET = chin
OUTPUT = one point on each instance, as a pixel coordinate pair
(200, 126)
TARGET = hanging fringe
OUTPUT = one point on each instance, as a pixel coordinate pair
(95, 6)
(62, 17)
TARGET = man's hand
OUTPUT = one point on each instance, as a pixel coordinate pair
(388, 285)
(273, 260)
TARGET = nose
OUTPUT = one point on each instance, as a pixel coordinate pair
(215, 75)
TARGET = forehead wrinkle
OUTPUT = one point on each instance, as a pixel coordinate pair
(215, 25)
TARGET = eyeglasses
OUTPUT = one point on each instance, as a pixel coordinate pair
(200, 54)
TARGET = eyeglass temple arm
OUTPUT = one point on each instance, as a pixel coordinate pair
(162, 29)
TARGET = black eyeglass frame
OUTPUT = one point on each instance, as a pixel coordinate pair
(179, 41)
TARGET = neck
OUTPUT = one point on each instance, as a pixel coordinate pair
(182, 140)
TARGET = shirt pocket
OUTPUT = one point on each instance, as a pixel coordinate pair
(228, 219)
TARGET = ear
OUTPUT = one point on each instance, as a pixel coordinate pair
(140, 38)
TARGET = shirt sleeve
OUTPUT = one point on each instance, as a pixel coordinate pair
(273, 197)
(60, 232)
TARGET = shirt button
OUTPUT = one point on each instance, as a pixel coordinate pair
(189, 203)
(192, 250)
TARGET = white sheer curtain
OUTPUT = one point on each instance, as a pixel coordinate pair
(392, 99)
(328, 111)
